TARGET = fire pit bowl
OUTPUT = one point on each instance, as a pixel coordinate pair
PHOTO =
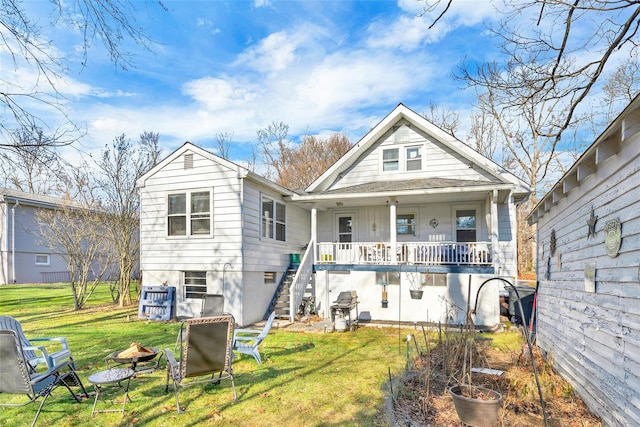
(135, 359)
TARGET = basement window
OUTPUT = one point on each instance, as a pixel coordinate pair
(195, 284)
(269, 277)
(43, 259)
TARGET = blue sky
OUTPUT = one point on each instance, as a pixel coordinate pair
(237, 66)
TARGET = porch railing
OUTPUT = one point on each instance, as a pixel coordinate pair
(300, 281)
(427, 253)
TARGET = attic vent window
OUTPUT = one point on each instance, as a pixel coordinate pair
(188, 161)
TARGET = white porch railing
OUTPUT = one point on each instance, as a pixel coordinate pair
(427, 253)
(300, 281)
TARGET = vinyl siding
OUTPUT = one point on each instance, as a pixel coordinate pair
(437, 161)
(158, 251)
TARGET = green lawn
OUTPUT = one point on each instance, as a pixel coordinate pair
(315, 379)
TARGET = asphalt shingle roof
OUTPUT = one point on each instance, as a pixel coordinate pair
(409, 184)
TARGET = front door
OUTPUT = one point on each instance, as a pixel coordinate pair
(345, 228)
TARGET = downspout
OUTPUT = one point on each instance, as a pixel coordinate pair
(13, 241)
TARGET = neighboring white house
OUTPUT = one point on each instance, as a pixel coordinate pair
(588, 304)
(409, 206)
(25, 257)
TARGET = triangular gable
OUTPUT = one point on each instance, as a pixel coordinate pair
(241, 171)
(401, 112)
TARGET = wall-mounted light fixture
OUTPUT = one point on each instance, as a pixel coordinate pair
(339, 204)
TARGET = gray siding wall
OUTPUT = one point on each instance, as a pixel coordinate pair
(28, 243)
(593, 338)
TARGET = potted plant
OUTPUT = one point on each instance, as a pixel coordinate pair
(476, 406)
(415, 288)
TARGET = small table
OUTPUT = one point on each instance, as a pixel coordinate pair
(111, 376)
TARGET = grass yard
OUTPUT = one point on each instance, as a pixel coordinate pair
(332, 379)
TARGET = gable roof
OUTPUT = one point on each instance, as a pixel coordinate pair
(242, 172)
(29, 199)
(331, 175)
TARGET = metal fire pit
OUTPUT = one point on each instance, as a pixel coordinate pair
(148, 364)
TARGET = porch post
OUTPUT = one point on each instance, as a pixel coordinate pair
(494, 233)
(314, 231)
(392, 231)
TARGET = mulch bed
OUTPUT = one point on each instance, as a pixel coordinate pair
(422, 397)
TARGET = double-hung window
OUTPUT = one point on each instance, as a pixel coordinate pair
(466, 225)
(414, 158)
(273, 219)
(190, 213)
(406, 224)
(390, 159)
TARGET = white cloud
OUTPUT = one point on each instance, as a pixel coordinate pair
(406, 33)
(274, 53)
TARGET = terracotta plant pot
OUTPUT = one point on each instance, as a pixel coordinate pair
(481, 410)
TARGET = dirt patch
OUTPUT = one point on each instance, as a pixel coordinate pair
(423, 398)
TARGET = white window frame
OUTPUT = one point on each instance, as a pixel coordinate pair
(402, 159)
(46, 263)
(190, 216)
(415, 223)
(454, 219)
(272, 221)
(396, 160)
(418, 158)
(202, 288)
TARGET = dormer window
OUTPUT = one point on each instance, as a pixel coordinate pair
(391, 159)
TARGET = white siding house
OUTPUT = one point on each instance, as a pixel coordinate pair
(407, 207)
(411, 207)
(202, 231)
(588, 305)
(24, 256)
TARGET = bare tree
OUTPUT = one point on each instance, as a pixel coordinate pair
(484, 135)
(273, 144)
(306, 162)
(111, 23)
(549, 53)
(76, 233)
(120, 165)
(223, 143)
(31, 164)
(446, 119)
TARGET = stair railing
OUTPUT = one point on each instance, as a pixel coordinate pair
(300, 281)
